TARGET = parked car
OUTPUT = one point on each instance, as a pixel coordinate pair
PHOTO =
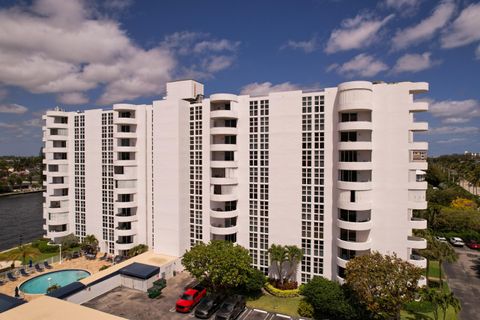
(457, 242)
(231, 308)
(208, 306)
(189, 299)
(441, 239)
(472, 244)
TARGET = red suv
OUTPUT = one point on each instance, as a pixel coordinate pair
(189, 299)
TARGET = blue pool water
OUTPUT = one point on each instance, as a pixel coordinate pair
(41, 283)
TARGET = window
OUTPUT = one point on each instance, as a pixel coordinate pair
(348, 136)
(348, 117)
(352, 196)
(348, 156)
(348, 175)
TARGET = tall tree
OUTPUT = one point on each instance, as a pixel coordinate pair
(383, 284)
(447, 299)
(90, 244)
(294, 256)
(278, 257)
(220, 264)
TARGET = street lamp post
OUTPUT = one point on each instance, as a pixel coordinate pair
(60, 245)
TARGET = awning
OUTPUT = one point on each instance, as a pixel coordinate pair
(420, 172)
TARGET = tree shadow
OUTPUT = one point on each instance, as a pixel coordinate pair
(476, 266)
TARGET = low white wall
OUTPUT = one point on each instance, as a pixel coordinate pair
(96, 290)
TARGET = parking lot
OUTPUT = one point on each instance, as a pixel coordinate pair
(134, 304)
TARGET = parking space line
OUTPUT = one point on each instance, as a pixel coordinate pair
(172, 309)
(245, 313)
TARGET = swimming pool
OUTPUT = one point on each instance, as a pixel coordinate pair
(40, 284)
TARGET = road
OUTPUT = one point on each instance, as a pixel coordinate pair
(464, 280)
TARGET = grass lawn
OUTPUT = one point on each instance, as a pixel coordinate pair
(433, 269)
(424, 310)
(35, 253)
(287, 306)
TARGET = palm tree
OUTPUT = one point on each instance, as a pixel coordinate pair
(22, 252)
(278, 256)
(432, 296)
(90, 244)
(294, 256)
(444, 253)
(448, 299)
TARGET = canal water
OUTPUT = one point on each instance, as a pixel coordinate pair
(21, 219)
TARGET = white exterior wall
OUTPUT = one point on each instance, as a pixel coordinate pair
(386, 190)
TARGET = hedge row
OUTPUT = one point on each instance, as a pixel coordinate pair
(281, 293)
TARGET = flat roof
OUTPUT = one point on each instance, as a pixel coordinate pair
(140, 270)
(48, 308)
(8, 302)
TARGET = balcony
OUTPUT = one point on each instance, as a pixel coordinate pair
(359, 165)
(418, 261)
(223, 181)
(223, 214)
(418, 223)
(414, 185)
(130, 204)
(125, 232)
(355, 145)
(223, 114)
(348, 185)
(223, 147)
(341, 262)
(418, 87)
(419, 106)
(124, 245)
(125, 218)
(417, 205)
(414, 242)
(223, 164)
(357, 226)
(223, 131)
(354, 125)
(60, 218)
(124, 135)
(223, 197)
(358, 206)
(357, 246)
(419, 126)
(223, 230)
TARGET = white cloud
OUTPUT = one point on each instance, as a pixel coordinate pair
(13, 108)
(55, 46)
(362, 65)
(414, 62)
(355, 33)
(264, 88)
(455, 112)
(72, 98)
(454, 130)
(307, 46)
(465, 29)
(36, 122)
(452, 140)
(8, 125)
(217, 63)
(426, 28)
(402, 4)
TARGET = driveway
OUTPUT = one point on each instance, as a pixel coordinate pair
(464, 280)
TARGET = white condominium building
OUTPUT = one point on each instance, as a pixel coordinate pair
(336, 172)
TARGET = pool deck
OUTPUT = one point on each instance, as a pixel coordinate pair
(92, 266)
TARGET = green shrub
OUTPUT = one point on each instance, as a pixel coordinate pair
(160, 283)
(103, 267)
(281, 293)
(70, 241)
(53, 287)
(305, 309)
(45, 248)
(154, 292)
(139, 249)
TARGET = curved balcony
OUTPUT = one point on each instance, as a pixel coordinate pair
(355, 125)
(120, 135)
(223, 164)
(355, 145)
(62, 209)
(418, 185)
(60, 218)
(126, 149)
(131, 176)
(130, 204)
(340, 280)
(124, 246)
(223, 147)
(58, 234)
(357, 226)
(418, 223)
(346, 185)
(118, 191)
(341, 262)
(125, 163)
(122, 218)
(58, 161)
(418, 261)
(223, 97)
(418, 126)
(418, 165)
(223, 214)
(224, 181)
(118, 120)
(416, 242)
(125, 232)
(355, 85)
(417, 205)
(357, 246)
(358, 206)
(419, 106)
(418, 87)
(58, 198)
(420, 145)
(361, 165)
(124, 107)
(223, 197)
(223, 230)
(223, 114)
(56, 137)
(223, 131)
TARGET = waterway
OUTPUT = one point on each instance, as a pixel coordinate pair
(21, 219)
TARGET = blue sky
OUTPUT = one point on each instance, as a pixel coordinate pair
(86, 54)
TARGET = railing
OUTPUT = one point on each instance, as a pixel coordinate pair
(16, 270)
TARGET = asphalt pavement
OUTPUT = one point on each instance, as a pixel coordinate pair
(463, 278)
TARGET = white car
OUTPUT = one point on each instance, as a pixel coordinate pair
(457, 242)
(441, 239)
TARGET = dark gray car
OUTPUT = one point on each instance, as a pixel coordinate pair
(231, 308)
(208, 306)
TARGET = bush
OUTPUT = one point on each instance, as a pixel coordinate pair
(53, 287)
(103, 267)
(135, 251)
(160, 283)
(281, 293)
(305, 309)
(70, 241)
(154, 292)
(45, 248)
(286, 285)
(254, 283)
